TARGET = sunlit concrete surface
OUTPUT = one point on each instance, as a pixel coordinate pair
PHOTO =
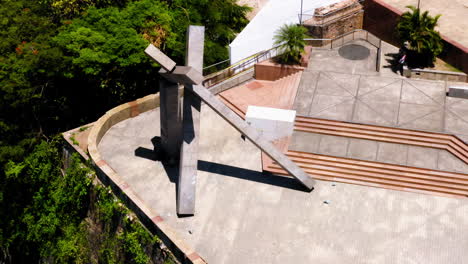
(243, 216)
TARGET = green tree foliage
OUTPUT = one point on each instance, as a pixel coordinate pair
(21, 22)
(63, 63)
(53, 215)
(67, 9)
(48, 68)
(418, 29)
(111, 39)
(104, 48)
(41, 206)
(290, 38)
(222, 19)
(28, 64)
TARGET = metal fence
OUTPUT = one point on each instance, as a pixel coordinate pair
(216, 67)
(358, 34)
(240, 66)
(243, 65)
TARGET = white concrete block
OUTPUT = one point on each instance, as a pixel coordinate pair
(272, 123)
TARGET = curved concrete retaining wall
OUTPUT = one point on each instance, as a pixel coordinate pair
(151, 219)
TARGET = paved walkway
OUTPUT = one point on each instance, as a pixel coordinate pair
(331, 60)
(336, 88)
(400, 154)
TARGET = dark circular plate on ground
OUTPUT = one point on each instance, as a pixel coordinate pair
(354, 52)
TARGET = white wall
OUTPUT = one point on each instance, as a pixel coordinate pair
(271, 123)
(258, 35)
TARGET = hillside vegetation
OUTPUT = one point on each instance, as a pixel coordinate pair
(63, 63)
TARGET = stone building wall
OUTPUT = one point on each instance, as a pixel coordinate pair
(334, 20)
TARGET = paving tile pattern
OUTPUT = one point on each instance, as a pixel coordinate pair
(387, 101)
(352, 91)
(400, 154)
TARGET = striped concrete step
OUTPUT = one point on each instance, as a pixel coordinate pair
(377, 174)
(386, 134)
(378, 133)
(383, 175)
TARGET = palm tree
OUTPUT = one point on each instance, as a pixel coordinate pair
(290, 39)
(418, 30)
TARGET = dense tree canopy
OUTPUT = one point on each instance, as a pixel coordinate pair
(63, 63)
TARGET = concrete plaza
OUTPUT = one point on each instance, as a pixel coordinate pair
(352, 91)
(244, 216)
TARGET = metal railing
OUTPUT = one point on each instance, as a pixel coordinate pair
(357, 34)
(216, 67)
(249, 62)
(240, 67)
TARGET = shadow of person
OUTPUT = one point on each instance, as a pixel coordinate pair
(393, 62)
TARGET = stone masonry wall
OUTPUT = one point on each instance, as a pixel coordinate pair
(335, 21)
(337, 27)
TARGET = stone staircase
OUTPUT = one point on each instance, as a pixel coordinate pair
(447, 142)
(376, 174)
(275, 94)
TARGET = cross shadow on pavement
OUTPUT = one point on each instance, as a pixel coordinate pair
(217, 168)
(250, 175)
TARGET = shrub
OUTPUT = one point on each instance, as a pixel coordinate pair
(290, 39)
(417, 29)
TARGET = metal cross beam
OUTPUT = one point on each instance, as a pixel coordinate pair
(187, 188)
(194, 92)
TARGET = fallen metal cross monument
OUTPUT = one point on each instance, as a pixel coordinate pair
(180, 131)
